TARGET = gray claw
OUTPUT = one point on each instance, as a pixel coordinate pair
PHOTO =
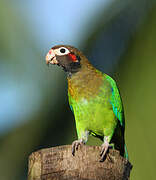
(104, 149)
(76, 144)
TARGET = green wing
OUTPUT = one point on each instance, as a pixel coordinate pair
(115, 101)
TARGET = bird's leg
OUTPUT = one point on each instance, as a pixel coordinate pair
(104, 148)
(80, 141)
(76, 144)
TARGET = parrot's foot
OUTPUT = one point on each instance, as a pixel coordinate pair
(76, 144)
(104, 148)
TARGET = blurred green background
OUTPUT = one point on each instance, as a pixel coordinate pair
(118, 37)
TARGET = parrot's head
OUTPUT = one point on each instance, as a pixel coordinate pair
(68, 57)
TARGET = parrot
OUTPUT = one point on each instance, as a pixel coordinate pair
(94, 99)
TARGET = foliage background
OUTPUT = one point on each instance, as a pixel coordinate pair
(119, 38)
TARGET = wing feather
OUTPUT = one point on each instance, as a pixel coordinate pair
(116, 101)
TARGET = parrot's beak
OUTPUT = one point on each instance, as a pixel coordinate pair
(51, 58)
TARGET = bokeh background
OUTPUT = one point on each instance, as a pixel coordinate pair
(118, 37)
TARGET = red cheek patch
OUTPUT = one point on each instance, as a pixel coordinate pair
(73, 57)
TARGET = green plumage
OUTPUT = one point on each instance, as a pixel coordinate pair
(94, 99)
(100, 111)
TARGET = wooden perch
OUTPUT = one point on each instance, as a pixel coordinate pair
(57, 163)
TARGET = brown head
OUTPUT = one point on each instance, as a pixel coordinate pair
(80, 72)
(68, 57)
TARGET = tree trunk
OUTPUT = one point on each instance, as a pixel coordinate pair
(58, 163)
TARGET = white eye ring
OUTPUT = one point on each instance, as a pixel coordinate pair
(61, 51)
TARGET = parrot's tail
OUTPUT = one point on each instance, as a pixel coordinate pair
(126, 152)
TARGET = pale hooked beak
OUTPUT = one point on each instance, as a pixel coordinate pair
(51, 58)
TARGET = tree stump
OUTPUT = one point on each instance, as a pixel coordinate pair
(58, 163)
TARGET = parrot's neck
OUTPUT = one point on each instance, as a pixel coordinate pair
(87, 79)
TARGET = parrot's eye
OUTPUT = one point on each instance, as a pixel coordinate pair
(61, 51)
